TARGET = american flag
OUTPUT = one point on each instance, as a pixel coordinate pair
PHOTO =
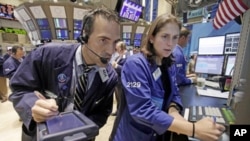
(227, 11)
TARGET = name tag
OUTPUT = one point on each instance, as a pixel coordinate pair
(103, 74)
(157, 74)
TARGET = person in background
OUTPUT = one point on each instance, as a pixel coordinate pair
(151, 102)
(79, 74)
(8, 53)
(180, 60)
(3, 83)
(117, 65)
(191, 65)
(11, 65)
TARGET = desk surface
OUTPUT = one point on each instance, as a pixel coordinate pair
(190, 97)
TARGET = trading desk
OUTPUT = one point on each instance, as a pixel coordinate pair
(190, 97)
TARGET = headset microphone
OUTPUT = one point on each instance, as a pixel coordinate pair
(103, 60)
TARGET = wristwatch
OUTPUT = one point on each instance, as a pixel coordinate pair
(175, 106)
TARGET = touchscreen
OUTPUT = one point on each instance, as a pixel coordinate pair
(63, 122)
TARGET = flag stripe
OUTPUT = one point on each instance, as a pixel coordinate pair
(227, 11)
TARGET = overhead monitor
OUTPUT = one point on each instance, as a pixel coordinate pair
(130, 10)
(30, 25)
(126, 35)
(77, 34)
(127, 42)
(43, 23)
(46, 34)
(211, 45)
(231, 43)
(60, 23)
(138, 36)
(62, 34)
(230, 65)
(78, 24)
(209, 64)
(137, 43)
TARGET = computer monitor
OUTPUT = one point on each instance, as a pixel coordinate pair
(211, 45)
(137, 43)
(43, 23)
(60, 23)
(46, 34)
(209, 64)
(138, 36)
(230, 65)
(78, 24)
(231, 43)
(127, 42)
(77, 34)
(126, 35)
(62, 34)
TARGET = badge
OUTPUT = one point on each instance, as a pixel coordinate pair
(61, 78)
(157, 74)
(103, 74)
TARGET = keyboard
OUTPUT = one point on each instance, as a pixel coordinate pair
(222, 115)
(212, 93)
(212, 84)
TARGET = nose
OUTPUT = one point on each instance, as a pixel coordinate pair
(110, 49)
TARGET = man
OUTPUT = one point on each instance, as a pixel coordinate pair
(62, 69)
(180, 60)
(191, 65)
(12, 63)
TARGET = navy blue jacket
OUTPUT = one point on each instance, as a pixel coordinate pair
(43, 69)
(10, 66)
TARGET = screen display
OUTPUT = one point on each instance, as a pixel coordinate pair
(60, 23)
(63, 122)
(127, 42)
(62, 34)
(232, 43)
(137, 43)
(126, 35)
(78, 24)
(30, 25)
(43, 23)
(211, 45)
(209, 64)
(130, 11)
(77, 33)
(6, 11)
(46, 34)
(138, 36)
(230, 64)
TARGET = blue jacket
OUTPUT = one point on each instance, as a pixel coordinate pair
(180, 63)
(50, 68)
(142, 117)
(10, 66)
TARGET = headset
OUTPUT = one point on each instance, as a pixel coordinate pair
(83, 38)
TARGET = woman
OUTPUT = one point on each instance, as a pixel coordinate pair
(151, 103)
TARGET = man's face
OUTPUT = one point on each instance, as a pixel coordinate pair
(19, 54)
(103, 40)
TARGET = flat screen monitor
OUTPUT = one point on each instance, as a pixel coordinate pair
(45, 34)
(60, 23)
(30, 25)
(137, 43)
(77, 34)
(209, 64)
(127, 42)
(211, 45)
(232, 43)
(130, 10)
(43, 23)
(230, 65)
(126, 35)
(78, 24)
(138, 36)
(62, 34)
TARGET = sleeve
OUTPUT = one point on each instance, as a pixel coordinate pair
(23, 97)
(138, 93)
(9, 69)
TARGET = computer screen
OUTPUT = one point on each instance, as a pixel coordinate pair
(209, 64)
(230, 64)
(130, 10)
(62, 34)
(137, 43)
(43, 23)
(77, 34)
(45, 34)
(232, 43)
(78, 24)
(127, 42)
(126, 35)
(211, 45)
(60, 23)
(138, 36)
(30, 25)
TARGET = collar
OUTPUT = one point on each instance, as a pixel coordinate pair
(79, 59)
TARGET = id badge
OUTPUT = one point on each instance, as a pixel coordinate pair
(157, 74)
(103, 74)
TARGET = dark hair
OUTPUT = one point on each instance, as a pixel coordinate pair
(89, 19)
(184, 32)
(147, 48)
(15, 48)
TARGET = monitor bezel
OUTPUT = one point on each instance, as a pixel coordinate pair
(223, 47)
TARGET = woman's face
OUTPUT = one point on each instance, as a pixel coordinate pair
(166, 39)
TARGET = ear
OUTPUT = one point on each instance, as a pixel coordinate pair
(151, 39)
